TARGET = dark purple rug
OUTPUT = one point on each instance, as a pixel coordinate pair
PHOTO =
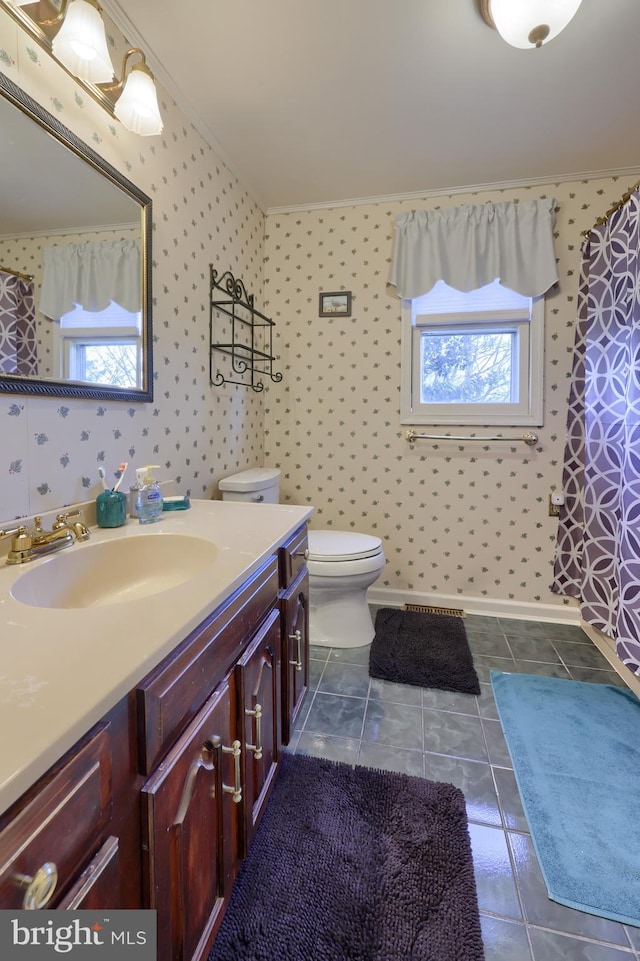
(355, 864)
(428, 650)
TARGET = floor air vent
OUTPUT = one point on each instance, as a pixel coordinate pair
(425, 609)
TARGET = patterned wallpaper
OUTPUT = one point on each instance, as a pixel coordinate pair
(456, 519)
(51, 447)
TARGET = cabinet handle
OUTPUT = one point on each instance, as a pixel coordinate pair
(304, 554)
(236, 751)
(257, 747)
(39, 888)
(298, 638)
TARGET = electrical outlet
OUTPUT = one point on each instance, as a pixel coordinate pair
(555, 501)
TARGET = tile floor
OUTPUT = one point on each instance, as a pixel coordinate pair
(350, 717)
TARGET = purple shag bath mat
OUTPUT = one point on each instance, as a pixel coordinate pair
(427, 650)
(355, 864)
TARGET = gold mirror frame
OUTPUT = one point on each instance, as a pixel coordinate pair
(16, 384)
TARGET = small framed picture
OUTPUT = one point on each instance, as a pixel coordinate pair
(336, 304)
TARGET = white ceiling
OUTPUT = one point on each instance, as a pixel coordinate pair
(319, 101)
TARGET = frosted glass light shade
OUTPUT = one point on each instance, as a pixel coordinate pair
(515, 19)
(81, 44)
(137, 107)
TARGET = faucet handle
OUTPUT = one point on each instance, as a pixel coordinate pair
(13, 531)
(79, 529)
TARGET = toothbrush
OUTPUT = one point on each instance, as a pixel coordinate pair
(102, 477)
(120, 474)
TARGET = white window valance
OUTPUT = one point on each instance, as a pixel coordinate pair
(471, 246)
(91, 275)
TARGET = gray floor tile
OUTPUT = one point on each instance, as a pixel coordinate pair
(567, 632)
(535, 667)
(551, 946)
(474, 780)
(460, 735)
(486, 701)
(388, 758)
(478, 622)
(541, 910)
(315, 672)
(449, 701)
(593, 676)
(399, 725)
(504, 940)
(509, 798)
(496, 744)
(494, 878)
(490, 644)
(318, 652)
(400, 693)
(351, 655)
(514, 626)
(484, 664)
(338, 678)
(326, 745)
(533, 649)
(581, 655)
(334, 714)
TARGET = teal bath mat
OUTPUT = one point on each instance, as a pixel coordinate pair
(576, 756)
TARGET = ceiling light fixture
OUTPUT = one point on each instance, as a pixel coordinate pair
(74, 35)
(528, 23)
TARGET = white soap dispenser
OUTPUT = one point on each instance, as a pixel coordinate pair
(149, 498)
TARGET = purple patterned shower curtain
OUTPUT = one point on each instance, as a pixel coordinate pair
(598, 547)
(18, 348)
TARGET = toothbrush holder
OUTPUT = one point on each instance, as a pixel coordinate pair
(111, 509)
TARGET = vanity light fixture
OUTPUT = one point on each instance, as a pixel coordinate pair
(136, 106)
(81, 42)
(528, 23)
(74, 36)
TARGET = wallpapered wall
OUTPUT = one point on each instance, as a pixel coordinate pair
(456, 519)
(51, 447)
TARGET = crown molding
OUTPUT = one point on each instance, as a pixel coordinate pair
(462, 189)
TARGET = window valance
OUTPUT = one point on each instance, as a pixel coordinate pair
(471, 246)
(91, 275)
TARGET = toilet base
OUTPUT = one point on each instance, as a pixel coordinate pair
(340, 621)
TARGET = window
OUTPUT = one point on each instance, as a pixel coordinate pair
(100, 347)
(472, 358)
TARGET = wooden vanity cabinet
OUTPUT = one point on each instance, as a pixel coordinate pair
(158, 804)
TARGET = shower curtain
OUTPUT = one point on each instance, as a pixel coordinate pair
(598, 547)
(18, 349)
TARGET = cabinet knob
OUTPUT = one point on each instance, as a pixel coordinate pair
(304, 554)
(257, 747)
(298, 638)
(39, 888)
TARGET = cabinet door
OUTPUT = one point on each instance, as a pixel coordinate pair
(191, 830)
(99, 884)
(258, 681)
(294, 604)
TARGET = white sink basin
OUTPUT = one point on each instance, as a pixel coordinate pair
(115, 571)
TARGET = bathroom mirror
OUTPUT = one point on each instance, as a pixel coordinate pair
(75, 264)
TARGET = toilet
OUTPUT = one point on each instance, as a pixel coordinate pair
(342, 566)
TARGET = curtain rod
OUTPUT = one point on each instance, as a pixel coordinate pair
(16, 273)
(623, 200)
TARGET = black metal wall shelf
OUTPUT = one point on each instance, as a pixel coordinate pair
(250, 344)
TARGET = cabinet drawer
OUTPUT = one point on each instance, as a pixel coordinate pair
(172, 694)
(62, 824)
(293, 556)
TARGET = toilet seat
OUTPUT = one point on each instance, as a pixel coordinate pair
(335, 546)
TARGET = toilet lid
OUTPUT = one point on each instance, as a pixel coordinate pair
(342, 546)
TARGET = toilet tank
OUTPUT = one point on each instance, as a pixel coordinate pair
(260, 485)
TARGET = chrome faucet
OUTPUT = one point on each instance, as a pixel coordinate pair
(27, 545)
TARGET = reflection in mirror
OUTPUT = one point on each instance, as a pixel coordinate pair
(75, 263)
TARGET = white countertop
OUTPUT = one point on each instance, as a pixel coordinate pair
(61, 670)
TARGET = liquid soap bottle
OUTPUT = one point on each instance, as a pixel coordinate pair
(149, 499)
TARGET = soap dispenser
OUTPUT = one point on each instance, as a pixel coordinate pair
(149, 498)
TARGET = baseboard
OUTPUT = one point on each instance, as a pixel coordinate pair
(607, 648)
(487, 606)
